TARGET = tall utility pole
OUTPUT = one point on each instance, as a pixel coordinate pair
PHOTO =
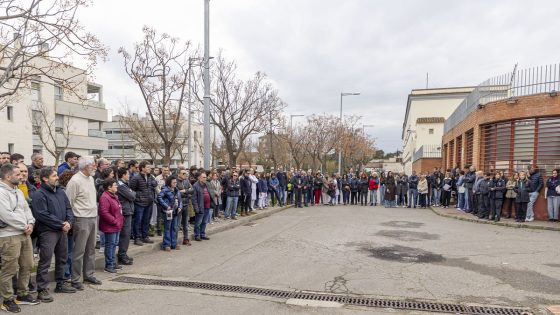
(206, 84)
(340, 147)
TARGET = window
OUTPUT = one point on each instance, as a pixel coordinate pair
(10, 112)
(35, 93)
(11, 148)
(58, 91)
(59, 123)
(431, 131)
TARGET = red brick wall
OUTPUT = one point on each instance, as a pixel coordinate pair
(426, 165)
(539, 105)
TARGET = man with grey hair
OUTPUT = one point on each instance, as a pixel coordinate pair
(36, 164)
(102, 164)
(83, 198)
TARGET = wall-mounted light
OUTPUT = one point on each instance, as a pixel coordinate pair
(511, 101)
(553, 93)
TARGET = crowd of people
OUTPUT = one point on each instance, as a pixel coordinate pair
(85, 205)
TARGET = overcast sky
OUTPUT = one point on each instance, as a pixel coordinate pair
(312, 50)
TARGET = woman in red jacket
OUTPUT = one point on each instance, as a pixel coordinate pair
(110, 221)
(373, 187)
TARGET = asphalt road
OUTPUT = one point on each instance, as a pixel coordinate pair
(373, 251)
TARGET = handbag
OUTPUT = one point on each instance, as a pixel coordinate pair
(558, 189)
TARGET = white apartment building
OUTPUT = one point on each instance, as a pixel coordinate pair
(78, 115)
(426, 112)
(122, 146)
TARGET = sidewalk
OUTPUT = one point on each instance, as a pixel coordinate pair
(217, 227)
(460, 215)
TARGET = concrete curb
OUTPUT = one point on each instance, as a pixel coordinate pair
(501, 223)
(135, 250)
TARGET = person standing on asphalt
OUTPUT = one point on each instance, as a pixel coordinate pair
(537, 183)
(16, 248)
(160, 179)
(297, 184)
(477, 200)
(390, 189)
(126, 198)
(363, 192)
(202, 202)
(185, 187)
(484, 193)
(447, 186)
(413, 190)
(233, 188)
(144, 187)
(83, 199)
(469, 180)
(523, 188)
(282, 186)
(553, 195)
(423, 191)
(110, 222)
(172, 204)
(345, 190)
(54, 217)
(373, 187)
(245, 188)
(497, 191)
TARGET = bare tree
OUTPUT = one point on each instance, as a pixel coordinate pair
(54, 134)
(30, 31)
(142, 133)
(160, 67)
(240, 108)
(322, 138)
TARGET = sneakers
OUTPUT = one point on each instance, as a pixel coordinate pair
(44, 296)
(78, 286)
(138, 242)
(10, 306)
(529, 219)
(26, 300)
(197, 239)
(125, 261)
(64, 287)
(205, 238)
(110, 270)
(147, 240)
(92, 280)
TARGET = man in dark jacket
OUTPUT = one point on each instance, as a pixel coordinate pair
(413, 190)
(185, 187)
(298, 182)
(437, 184)
(144, 185)
(537, 183)
(282, 186)
(126, 197)
(36, 164)
(484, 190)
(202, 202)
(469, 181)
(53, 214)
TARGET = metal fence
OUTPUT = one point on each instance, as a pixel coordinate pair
(542, 79)
(427, 151)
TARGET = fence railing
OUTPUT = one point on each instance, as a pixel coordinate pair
(427, 151)
(521, 82)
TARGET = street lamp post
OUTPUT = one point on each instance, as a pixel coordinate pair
(291, 132)
(364, 128)
(340, 148)
(206, 84)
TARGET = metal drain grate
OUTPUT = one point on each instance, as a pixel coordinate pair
(349, 300)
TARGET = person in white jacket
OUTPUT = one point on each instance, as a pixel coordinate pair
(254, 182)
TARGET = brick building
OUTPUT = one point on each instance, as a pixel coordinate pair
(509, 132)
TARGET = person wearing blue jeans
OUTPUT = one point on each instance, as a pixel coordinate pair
(68, 268)
(171, 202)
(202, 203)
(144, 184)
(111, 243)
(537, 183)
(413, 190)
(232, 190)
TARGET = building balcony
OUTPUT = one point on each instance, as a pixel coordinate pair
(84, 111)
(96, 133)
(430, 151)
